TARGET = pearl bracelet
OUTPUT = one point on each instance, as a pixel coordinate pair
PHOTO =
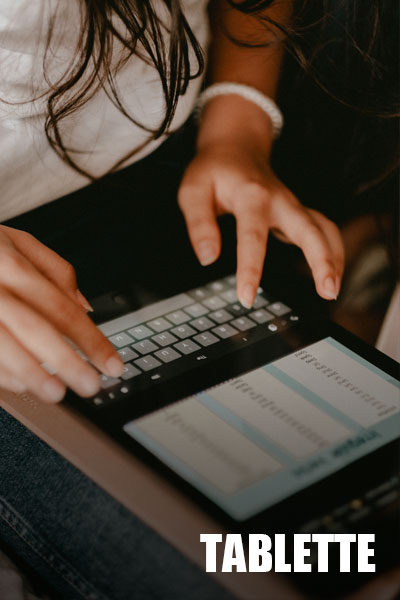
(248, 93)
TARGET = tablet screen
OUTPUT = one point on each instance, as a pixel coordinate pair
(257, 439)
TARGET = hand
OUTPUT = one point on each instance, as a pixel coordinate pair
(234, 178)
(39, 305)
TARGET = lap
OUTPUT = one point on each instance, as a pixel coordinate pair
(79, 539)
(126, 227)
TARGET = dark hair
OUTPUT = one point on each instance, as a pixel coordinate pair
(349, 48)
(340, 91)
(139, 32)
(356, 40)
(350, 51)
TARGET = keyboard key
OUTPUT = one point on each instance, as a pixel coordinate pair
(167, 355)
(225, 331)
(110, 396)
(202, 324)
(102, 399)
(230, 296)
(196, 310)
(127, 354)
(187, 346)
(217, 286)
(243, 323)
(214, 303)
(107, 382)
(140, 332)
(120, 339)
(158, 324)
(199, 293)
(261, 316)
(279, 309)
(237, 310)
(272, 327)
(231, 280)
(206, 338)
(97, 400)
(129, 372)
(178, 317)
(125, 389)
(164, 339)
(183, 331)
(145, 346)
(220, 316)
(259, 302)
(147, 363)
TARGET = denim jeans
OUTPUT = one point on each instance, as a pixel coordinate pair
(63, 527)
(78, 538)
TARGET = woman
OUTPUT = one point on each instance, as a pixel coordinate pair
(89, 91)
(99, 93)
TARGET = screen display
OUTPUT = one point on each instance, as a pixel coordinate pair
(255, 440)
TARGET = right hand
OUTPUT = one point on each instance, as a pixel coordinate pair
(40, 306)
(236, 178)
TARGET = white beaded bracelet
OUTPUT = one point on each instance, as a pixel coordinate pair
(249, 93)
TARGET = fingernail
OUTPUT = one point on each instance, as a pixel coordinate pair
(89, 384)
(330, 288)
(53, 390)
(113, 367)
(338, 283)
(17, 386)
(206, 252)
(247, 296)
(82, 300)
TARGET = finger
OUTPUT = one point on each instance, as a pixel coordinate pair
(46, 299)
(46, 345)
(335, 241)
(11, 383)
(51, 264)
(300, 228)
(197, 205)
(252, 232)
(19, 365)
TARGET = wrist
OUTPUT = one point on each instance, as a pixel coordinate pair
(232, 119)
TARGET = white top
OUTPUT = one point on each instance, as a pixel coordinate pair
(31, 174)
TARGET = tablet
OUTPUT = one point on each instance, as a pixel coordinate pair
(254, 413)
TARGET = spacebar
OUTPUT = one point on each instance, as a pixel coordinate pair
(157, 309)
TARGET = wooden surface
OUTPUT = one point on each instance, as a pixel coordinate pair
(138, 488)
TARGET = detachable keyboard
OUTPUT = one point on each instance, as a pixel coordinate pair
(166, 338)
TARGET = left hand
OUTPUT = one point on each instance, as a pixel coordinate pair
(232, 178)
